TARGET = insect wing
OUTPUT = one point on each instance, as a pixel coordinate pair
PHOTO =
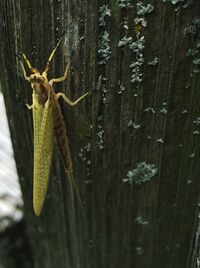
(43, 149)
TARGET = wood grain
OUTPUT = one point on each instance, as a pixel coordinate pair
(163, 109)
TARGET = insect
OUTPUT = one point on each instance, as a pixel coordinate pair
(48, 123)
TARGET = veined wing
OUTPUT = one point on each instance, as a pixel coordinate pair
(43, 149)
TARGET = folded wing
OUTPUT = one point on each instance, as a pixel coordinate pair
(43, 149)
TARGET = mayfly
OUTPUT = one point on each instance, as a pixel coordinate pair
(47, 121)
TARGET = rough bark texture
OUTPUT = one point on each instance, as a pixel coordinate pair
(139, 220)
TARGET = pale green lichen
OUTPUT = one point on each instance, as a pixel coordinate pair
(137, 48)
(104, 48)
(173, 1)
(100, 135)
(103, 55)
(185, 111)
(141, 221)
(84, 151)
(164, 109)
(138, 45)
(140, 21)
(192, 52)
(142, 173)
(139, 250)
(193, 30)
(121, 88)
(133, 125)
(84, 155)
(104, 40)
(141, 9)
(160, 140)
(103, 90)
(100, 132)
(197, 121)
(196, 61)
(153, 62)
(125, 41)
(196, 132)
(104, 13)
(104, 45)
(150, 109)
(124, 3)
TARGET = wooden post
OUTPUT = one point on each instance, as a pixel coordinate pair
(134, 140)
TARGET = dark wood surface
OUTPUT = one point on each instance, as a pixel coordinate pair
(152, 221)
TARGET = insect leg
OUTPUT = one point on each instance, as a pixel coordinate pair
(62, 78)
(30, 107)
(71, 103)
(24, 71)
(33, 70)
(51, 56)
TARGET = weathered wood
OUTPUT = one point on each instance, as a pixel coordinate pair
(121, 124)
(14, 246)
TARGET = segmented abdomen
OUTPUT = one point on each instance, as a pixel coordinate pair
(61, 138)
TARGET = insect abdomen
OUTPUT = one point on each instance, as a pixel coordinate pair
(62, 139)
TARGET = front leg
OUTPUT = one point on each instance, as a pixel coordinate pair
(62, 78)
(66, 99)
(33, 70)
(30, 107)
(24, 72)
